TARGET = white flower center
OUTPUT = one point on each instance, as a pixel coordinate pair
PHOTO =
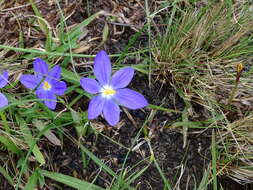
(47, 86)
(107, 91)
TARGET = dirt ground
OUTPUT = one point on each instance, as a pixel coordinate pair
(166, 142)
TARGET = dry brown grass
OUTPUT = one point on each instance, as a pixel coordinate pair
(236, 160)
(201, 51)
(199, 54)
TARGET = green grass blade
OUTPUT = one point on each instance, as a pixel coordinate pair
(214, 159)
(70, 76)
(6, 175)
(60, 54)
(32, 181)
(38, 14)
(155, 107)
(5, 123)
(77, 29)
(70, 181)
(9, 145)
(33, 143)
(98, 161)
(204, 181)
(43, 26)
(29, 140)
(165, 180)
(134, 177)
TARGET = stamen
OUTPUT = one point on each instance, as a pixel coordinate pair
(108, 91)
(46, 86)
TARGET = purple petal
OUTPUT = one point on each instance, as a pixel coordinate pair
(90, 85)
(3, 79)
(55, 72)
(102, 67)
(3, 100)
(59, 88)
(29, 81)
(111, 112)
(122, 78)
(40, 67)
(95, 107)
(130, 99)
(49, 99)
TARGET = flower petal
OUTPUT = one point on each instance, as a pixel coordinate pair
(55, 73)
(130, 99)
(49, 99)
(90, 85)
(122, 78)
(29, 81)
(3, 79)
(96, 106)
(40, 67)
(59, 88)
(111, 112)
(3, 100)
(102, 67)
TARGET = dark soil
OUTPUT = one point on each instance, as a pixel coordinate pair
(166, 142)
(4, 185)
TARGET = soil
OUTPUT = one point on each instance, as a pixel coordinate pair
(166, 142)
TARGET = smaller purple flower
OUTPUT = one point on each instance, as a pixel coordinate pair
(111, 91)
(47, 82)
(3, 82)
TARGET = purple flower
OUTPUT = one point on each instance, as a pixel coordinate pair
(3, 82)
(111, 91)
(47, 82)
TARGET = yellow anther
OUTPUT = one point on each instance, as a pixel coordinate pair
(46, 86)
(239, 67)
(109, 92)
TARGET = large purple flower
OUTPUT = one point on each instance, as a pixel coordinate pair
(46, 82)
(111, 91)
(3, 82)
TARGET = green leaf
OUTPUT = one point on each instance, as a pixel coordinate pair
(76, 116)
(155, 107)
(70, 181)
(5, 123)
(43, 26)
(76, 31)
(133, 177)
(48, 134)
(29, 140)
(70, 76)
(105, 33)
(204, 181)
(10, 145)
(214, 159)
(6, 175)
(165, 180)
(32, 181)
(98, 161)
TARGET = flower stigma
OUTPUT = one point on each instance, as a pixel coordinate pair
(108, 91)
(46, 86)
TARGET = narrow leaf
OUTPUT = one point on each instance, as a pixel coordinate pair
(214, 159)
(99, 162)
(6, 175)
(70, 181)
(29, 140)
(9, 145)
(32, 181)
(49, 135)
(70, 76)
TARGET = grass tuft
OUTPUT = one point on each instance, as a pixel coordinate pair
(200, 50)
